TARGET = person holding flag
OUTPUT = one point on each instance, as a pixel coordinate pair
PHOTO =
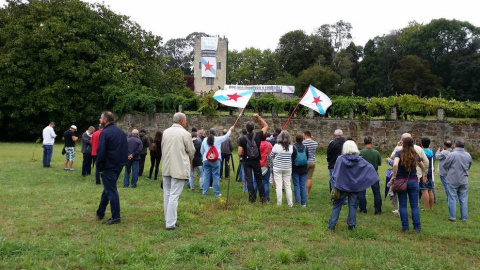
(249, 144)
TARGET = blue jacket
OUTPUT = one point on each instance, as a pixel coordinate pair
(217, 142)
(112, 152)
(135, 147)
(352, 173)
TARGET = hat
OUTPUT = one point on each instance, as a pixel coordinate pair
(74, 127)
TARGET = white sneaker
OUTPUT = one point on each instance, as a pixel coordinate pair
(219, 195)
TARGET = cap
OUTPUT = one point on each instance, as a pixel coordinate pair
(74, 127)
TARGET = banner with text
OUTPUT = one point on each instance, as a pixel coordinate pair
(264, 88)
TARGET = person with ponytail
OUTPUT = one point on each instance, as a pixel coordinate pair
(405, 167)
(211, 155)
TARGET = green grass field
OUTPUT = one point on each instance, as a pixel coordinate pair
(47, 221)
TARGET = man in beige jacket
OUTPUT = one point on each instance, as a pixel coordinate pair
(177, 153)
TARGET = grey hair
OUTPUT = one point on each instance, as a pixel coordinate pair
(91, 128)
(179, 117)
(338, 132)
(460, 142)
(350, 148)
(135, 132)
(284, 139)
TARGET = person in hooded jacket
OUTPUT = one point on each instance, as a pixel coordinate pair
(427, 188)
(351, 174)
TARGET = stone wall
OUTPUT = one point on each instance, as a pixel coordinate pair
(384, 133)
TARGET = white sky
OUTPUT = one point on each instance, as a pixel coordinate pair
(261, 23)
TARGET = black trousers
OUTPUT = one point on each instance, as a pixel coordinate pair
(252, 168)
(141, 164)
(377, 199)
(87, 164)
(225, 164)
(155, 162)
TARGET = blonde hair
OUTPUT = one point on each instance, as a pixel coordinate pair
(350, 148)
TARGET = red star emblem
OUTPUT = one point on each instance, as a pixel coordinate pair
(208, 66)
(316, 100)
(234, 97)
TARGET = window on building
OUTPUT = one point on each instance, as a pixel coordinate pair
(209, 81)
(199, 65)
(219, 65)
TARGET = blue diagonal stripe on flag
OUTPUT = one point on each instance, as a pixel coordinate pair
(314, 94)
(212, 69)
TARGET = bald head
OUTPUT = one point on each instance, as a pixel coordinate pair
(338, 133)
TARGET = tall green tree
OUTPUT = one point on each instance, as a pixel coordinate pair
(294, 52)
(414, 77)
(66, 61)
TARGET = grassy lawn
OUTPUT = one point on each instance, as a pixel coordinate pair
(47, 221)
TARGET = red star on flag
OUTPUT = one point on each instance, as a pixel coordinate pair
(208, 66)
(316, 100)
(234, 97)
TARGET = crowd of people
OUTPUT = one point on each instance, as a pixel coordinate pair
(267, 160)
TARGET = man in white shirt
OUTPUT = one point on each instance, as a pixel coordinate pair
(48, 141)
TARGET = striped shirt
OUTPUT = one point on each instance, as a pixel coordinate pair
(282, 160)
(312, 148)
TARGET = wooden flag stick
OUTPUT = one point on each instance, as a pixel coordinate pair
(295, 108)
(228, 187)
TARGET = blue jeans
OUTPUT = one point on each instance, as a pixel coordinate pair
(266, 184)
(413, 189)
(47, 155)
(241, 173)
(337, 207)
(199, 170)
(110, 193)
(460, 193)
(211, 169)
(331, 180)
(300, 188)
(132, 167)
(445, 186)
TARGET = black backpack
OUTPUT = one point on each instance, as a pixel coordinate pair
(252, 149)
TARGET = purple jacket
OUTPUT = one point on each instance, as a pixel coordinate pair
(352, 173)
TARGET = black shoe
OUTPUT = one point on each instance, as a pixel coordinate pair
(134, 186)
(112, 221)
(99, 217)
(176, 227)
(331, 228)
(351, 227)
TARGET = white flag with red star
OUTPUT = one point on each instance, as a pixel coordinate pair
(233, 97)
(209, 67)
(316, 100)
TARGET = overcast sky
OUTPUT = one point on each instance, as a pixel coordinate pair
(261, 23)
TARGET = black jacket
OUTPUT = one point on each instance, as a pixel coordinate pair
(334, 150)
(197, 158)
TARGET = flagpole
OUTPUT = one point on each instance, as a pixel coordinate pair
(295, 108)
(241, 112)
(228, 187)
